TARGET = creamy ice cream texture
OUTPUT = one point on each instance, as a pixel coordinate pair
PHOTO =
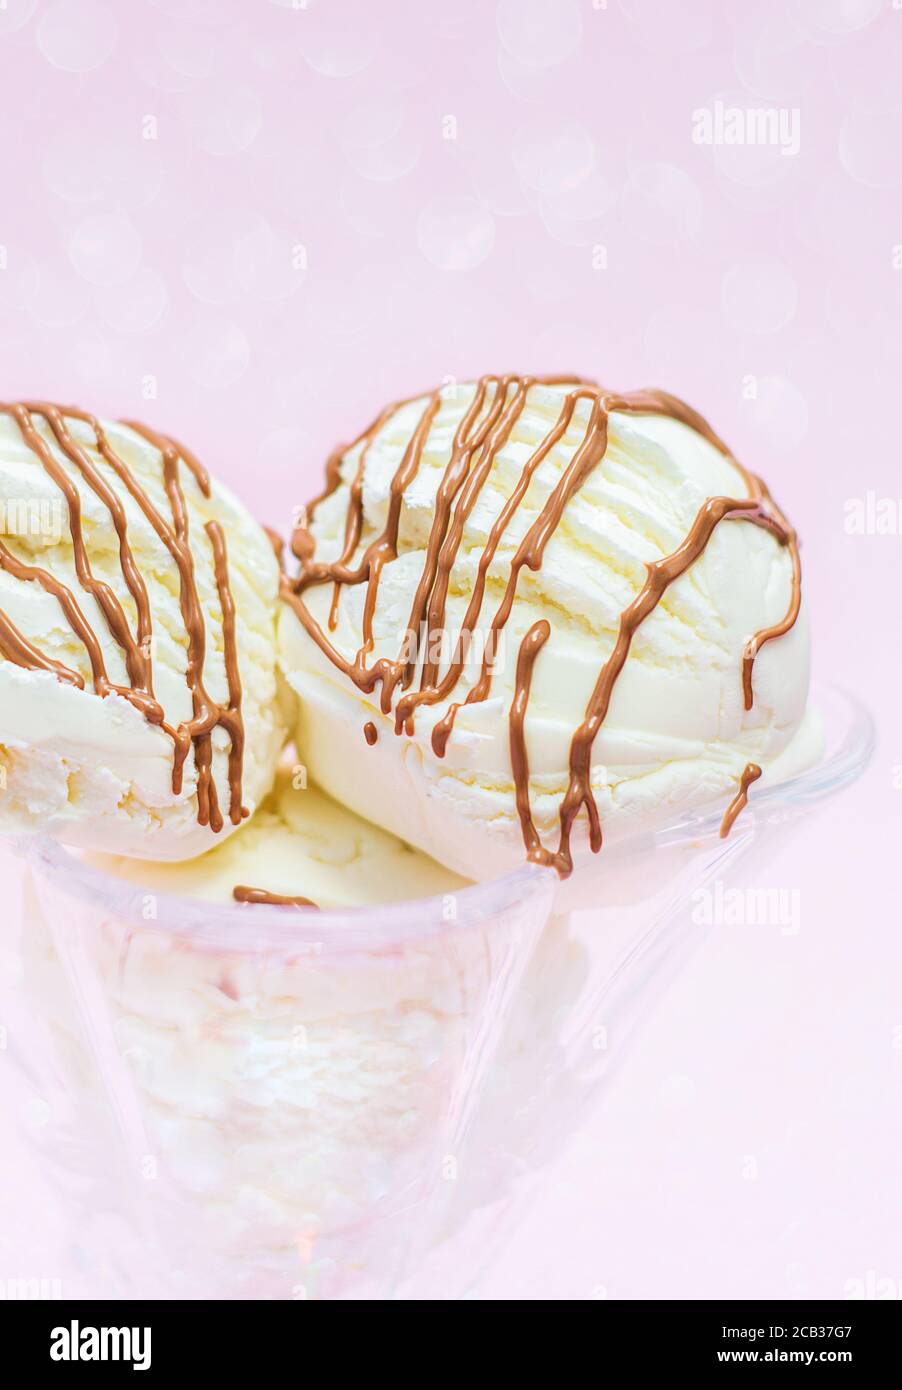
(529, 614)
(532, 614)
(299, 844)
(629, 587)
(138, 689)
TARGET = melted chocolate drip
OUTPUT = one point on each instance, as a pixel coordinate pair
(750, 774)
(241, 894)
(370, 732)
(477, 441)
(135, 644)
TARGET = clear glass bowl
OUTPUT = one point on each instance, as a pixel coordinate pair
(247, 1102)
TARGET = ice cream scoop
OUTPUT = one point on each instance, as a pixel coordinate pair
(530, 613)
(138, 689)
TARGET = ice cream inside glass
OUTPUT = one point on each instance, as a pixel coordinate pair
(342, 865)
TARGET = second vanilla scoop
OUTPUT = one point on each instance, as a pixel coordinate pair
(531, 516)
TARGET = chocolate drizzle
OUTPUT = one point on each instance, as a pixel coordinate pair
(750, 774)
(135, 644)
(482, 432)
(262, 896)
(370, 732)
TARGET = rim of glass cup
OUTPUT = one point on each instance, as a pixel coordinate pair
(240, 927)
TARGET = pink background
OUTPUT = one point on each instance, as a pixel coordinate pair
(342, 203)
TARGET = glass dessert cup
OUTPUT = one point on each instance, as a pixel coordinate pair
(253, 1102)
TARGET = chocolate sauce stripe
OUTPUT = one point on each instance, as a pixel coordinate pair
(531, 549)
(137, 660)
(499, 432)
(15, 647)
(661, 574)
(750, 774)
(464, 476)
(530, 648)
(443, 729)
(456, 476)
(385, 548)
(354, 519)
(778, 629)
(262, 896)
(231, 717)
(26, 573)
(207, 713)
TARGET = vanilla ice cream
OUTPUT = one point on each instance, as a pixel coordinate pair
(138, 687)
(552, 613)
(300, 844)
(276, 1083)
